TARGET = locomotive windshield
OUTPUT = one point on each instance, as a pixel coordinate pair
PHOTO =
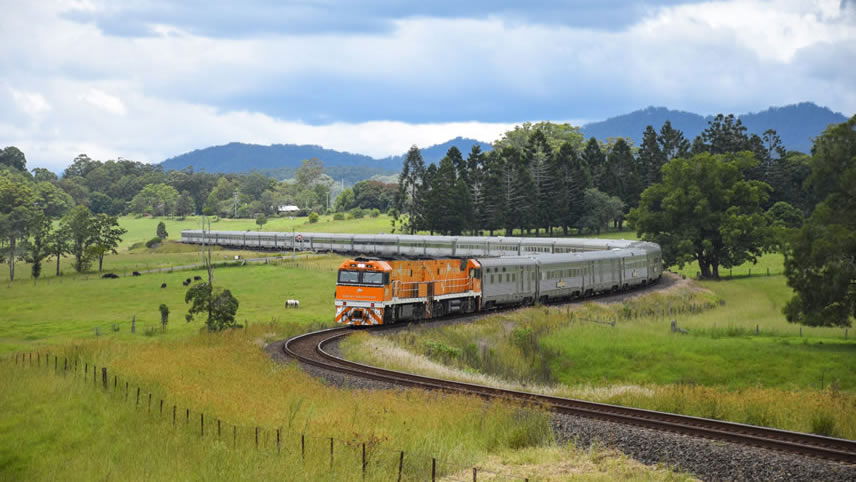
(349, 276)
(362, 277)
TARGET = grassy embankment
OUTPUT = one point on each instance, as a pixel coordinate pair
(55, 427)
(780, 376)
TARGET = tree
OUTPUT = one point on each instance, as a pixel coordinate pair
(39, 246)
(164, 312)
(184, 205)
(595, 159)
(16, 214)
(106, 236)
(345, 201)
(672, 143)
(161, 230)
(78, 226)
(556, 135)
(155, 199)
(261, 220)
(704, 210)
(13, 157)
(621, 177)
(58, 244)
(538, 154)
(651, 157)
(409, 185)
(599, 208)
(219, 305)
(820, 261)
(40, 174)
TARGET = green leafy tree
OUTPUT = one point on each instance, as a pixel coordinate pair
(16, 214)
(595, 159)
(78, 225)
(599, 209)
(156, 199)
(261, 220)
(40, 174)
(704, 210)
(218, 305)
(106, 234)
(58, 244)
(820, 262)
(39, 245)
(184, 206)
(161, 230)
(345, 201)
(13, 157)
(556, 135)
(784, 215)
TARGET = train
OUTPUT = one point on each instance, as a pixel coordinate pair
(397, 278)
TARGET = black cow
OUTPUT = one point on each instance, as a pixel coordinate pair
(109, 276)
(163, 285)
(136, 273)
(197, 278)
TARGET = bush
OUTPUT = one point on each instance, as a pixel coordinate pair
(357, 213)
(154, 242)
(313, 217)
(339, 217)
(374, 212)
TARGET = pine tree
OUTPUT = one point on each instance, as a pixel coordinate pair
(475, 176)
(579, 179)
(561, 163)
(651, 157)
(595, 160)
(538, 158)
(672, 143)
(407, 200)
(492, 216)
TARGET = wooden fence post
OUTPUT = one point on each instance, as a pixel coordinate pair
(126, 391)
(138, 396)
(115, 382)
(218, 429)
(161, 406)
(186, 415)
(94, 374)
(65, 365)
(475, 474)
(277, 441)
(303, 447)
(234, 436)
(173, 415)
(364, 460)
(201, 424)
(56, 363)
(149, 406)
(400, 464)
(331, 453)
(257, 438)
(433, 469)
(104, 377)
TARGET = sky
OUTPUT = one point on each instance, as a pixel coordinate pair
(150, 79)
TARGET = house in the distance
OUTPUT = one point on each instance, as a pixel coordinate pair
(288, 210)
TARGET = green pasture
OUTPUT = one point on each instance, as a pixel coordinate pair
(60, 309)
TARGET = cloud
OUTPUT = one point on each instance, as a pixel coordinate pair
(150, 79)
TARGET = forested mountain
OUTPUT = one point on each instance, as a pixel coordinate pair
(796, 124)
(239, 157)
(433, 154)
(281, 160)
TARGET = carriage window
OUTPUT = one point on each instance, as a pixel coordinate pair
(373, 277)
(349, 276)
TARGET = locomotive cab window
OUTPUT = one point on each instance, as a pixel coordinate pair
(373, 277)
(349, 276)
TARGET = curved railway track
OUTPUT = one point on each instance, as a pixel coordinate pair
(310, 349)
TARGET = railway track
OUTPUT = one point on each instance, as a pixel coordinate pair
(310, 349)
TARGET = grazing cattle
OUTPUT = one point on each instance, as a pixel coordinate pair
(292, 303)
(109, 275)
(163, 285)
(136, 273)
(197, 278)
(186, 282)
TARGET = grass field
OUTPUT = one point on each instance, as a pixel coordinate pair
(64, 427)
(740, 361)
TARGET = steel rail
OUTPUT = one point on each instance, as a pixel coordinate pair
(309, 348)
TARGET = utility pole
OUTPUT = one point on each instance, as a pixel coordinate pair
(236, 203)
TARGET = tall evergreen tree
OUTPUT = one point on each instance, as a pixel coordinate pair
(492, 214)
(595, 160)
(579, 180)
(475, 175)
(621, 178)
(426, 215)
(409, 183)
(538, 155)
(672, 143)
(651, 157)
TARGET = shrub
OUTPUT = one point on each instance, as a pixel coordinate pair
(357, 213)
(154, 242)
(339, 217)
(374, 212)
(161, 231)
(313, 217)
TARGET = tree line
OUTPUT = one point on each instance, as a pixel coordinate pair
(545, 177)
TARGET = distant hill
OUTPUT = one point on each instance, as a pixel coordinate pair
(433, 154)
(239, 157)
(796, 124)
(281, 160)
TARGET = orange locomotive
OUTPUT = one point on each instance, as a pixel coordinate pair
(374, 291)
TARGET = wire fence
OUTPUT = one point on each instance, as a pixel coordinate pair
(339, 457)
